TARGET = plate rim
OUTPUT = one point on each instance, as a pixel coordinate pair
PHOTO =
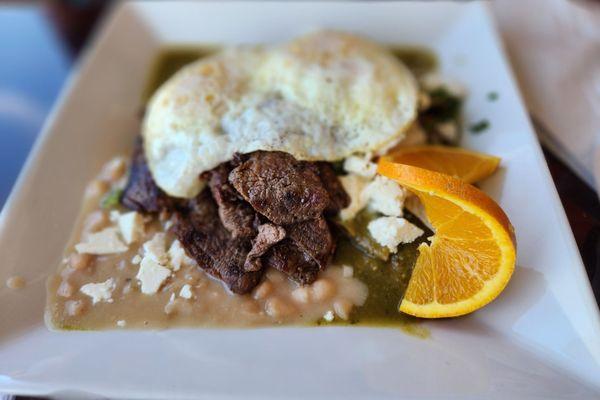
(34, 158)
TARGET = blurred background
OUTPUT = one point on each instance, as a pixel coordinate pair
(556, 57)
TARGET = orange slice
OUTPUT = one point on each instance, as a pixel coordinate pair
(471, 256)
(467, 165)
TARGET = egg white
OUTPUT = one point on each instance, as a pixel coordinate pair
(323, 96)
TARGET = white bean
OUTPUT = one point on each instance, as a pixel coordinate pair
(96, 188)
(342, 308)
(263, 290)
(95, 221)
(301, 295)
(15, 282)
(114, 169)
(277, 308)
(80, 261)
(65, 289)
(323, 289)
(74, 308)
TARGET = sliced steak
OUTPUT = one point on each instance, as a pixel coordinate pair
(141, 192)
(204, 237)
(289, 259)
(282, 189)
(314, 238)
(236, 214)
(338, 198)
(268, 235)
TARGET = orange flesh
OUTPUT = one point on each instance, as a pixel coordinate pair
(472, 254)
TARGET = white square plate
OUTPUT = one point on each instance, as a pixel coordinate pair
(540, 339)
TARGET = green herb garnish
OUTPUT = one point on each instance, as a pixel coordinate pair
(480, 126)
(419, 60)
(492, 96)
(338, 167)
(111, 199)
(444, 105)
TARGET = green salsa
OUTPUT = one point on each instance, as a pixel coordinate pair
(170, 61)
(386, 277)
(419, 60)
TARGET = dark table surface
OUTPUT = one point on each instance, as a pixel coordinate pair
(40, 42)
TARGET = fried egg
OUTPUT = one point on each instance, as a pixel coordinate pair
(324, 96)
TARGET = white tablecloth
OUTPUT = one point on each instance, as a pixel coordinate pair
(554, 46)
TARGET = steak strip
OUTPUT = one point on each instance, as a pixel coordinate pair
(289, 259)
(314, 238)
(236, 214)
(268, 235)
(263, 209)
(141, 192)
(204, 237)
(338, 198)
(282, 189)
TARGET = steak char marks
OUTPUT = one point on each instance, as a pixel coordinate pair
(282, 189)
(260, 210)
(291, 193)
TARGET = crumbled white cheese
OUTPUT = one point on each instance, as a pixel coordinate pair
(114, 216)
(178, 256)
(186, 291)
(354, 185)
(328, 316)
(121, 323)
(347, 271)
(156, 248)
(381, 194)
(449, 130)
(385, 196)
(99, 291)
(360, 166)
(114, 169)
(106, 241)
(131, 225)
(136, 259)
(391, 231)
(434, 81)
(151, 275)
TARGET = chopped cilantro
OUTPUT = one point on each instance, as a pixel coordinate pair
(480, 126)
(111, 199)
(444, 105)
(338, 167)
(492, 96)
